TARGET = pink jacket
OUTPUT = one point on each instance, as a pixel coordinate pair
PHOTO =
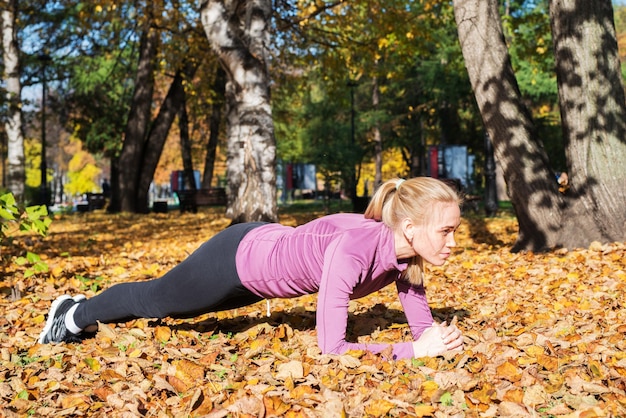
(341, 257)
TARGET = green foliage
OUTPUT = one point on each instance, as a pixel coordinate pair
(90, 284)
(410, 51)
(33, 262)
(529, 37)
(30, 219)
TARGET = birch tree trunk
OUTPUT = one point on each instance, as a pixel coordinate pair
(531, 183)
(593, 113)
(238, 33)
(13, 125)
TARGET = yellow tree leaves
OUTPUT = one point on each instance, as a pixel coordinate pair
(545, 335)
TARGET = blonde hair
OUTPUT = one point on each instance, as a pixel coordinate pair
(398, 199)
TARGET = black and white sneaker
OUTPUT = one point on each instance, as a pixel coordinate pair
(55, 330)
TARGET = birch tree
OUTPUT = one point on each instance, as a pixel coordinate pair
(238, 32)
(13, 124)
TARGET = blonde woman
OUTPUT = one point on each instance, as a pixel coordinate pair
(340, 257)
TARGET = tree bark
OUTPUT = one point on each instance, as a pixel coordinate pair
(185, 144)
(130, 160)
(16, 171)
(158, 134)
(593, 113)
(377, 137)
(532, 186)
(238, 33)
(219, 87)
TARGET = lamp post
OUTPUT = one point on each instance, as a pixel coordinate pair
(43, 188)
(491, 192)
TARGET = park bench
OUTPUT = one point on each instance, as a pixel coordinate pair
(190, 200)
(93, 201)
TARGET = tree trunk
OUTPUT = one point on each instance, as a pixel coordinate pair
(219, 86)
(378, 141)
(158, 135)
(185, 144)
(533, 189)
(593, 113)
(130, 159)
(239, 33)
(13, 125)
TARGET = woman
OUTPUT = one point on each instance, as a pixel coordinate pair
(340, 257)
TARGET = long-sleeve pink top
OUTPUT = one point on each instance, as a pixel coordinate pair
(341, 257)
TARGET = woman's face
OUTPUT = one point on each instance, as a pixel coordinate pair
(433, 240)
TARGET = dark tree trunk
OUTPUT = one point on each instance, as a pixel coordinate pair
(593, 113)
(219, 87)
(130, 159)
(185, 145)
(531, 183)
(114, 203)
(158, 134)
(378, 140)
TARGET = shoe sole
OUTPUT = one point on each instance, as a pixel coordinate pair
(53, 310)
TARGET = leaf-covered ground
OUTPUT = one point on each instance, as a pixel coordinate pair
(545, 334)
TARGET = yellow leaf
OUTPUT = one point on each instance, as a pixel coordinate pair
(467, 264)
(534, 350)
(93, 364)
(137, 352)
(289, 385)
(73, 401)
(596, 369)
(429, 388)
(378, 407)
(39, 319)
(424, 410)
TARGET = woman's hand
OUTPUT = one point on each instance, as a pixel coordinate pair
(438, 339)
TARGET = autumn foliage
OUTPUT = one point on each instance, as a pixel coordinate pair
(544, 334)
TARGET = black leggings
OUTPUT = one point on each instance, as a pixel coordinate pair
(206, 281)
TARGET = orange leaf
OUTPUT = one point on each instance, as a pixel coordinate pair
(548, 362)
(163, 334)
(177, 383)
(515, 395)
(509, 371)
(102, 392)
(274, 405)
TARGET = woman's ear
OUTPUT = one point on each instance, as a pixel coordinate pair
(408, 229)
